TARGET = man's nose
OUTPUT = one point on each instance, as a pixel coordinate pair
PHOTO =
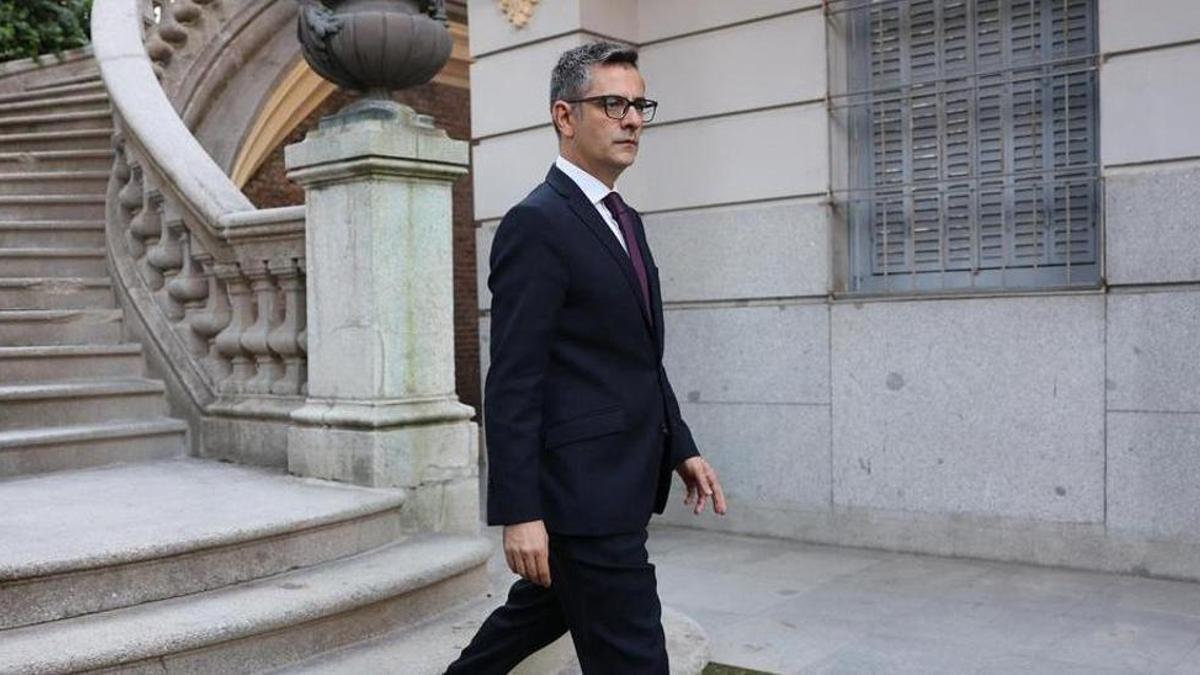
(633, 119)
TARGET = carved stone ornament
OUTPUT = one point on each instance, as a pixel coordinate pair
(518, 11)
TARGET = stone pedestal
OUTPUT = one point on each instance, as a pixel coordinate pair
(381, 408)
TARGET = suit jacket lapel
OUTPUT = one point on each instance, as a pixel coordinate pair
(586, 212)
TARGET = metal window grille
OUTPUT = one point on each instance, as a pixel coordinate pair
(972, 139)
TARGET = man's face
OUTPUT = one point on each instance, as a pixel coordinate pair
(607, 145)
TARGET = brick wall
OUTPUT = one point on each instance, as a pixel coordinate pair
(450, 107)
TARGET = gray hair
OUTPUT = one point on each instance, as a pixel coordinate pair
(573, 72)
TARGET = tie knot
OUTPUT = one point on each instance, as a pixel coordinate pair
(614, 203)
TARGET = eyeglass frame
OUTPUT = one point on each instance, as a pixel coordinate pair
(646, 103)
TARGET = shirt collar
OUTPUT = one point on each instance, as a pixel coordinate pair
(591, 186)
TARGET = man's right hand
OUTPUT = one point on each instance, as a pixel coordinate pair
(527, 548)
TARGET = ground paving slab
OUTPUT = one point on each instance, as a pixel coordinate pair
(787, 607)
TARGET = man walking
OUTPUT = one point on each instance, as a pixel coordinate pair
(583, 429)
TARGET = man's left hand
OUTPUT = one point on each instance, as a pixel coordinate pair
(701, 481)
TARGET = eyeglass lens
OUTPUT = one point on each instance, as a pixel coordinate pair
(617, 107)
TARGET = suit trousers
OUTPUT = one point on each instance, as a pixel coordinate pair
(602, 589)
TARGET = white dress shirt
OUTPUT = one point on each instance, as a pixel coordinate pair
(595, 191)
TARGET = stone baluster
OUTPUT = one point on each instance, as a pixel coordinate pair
(130, 197)
(131, 201)
(166, 256)
(189, 289)
(229, 342)
(146, 225)
(169, 28)
(158, 49)
(120, 166)
(187, 12)
(122, 175)
(255, 339)
(302, 342)
(284, 339)
(209, 323)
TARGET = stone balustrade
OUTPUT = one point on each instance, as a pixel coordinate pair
(218, 286)
(170, 25)
(238, 310)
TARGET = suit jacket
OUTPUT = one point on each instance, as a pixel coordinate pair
(583, 429)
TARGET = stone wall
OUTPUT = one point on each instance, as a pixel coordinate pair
(450, 108)
(1052, 427)
(1151, 154)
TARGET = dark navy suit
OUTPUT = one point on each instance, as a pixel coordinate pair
(583, 432)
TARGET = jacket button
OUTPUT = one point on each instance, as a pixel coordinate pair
(665, 430)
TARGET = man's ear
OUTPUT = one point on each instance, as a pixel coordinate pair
(560, 113)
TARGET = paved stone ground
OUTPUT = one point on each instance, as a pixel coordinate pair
(786, 607)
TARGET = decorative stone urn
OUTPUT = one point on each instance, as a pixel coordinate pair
(375, 46)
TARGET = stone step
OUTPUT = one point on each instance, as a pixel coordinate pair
(51, 233)
(82, 139)
(89, 76)
(59, 121)
(85, 102)
(52, 207)
(56, 160)
(428, 648)
(266, 623)
(53, 262)
(27, 405)
(30, 364)
(31, 327)
(50, 91)
(34, 451)
(69, 182)
(56, 293)
(201, 525)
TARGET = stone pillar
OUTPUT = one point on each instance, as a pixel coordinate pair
(381, 409)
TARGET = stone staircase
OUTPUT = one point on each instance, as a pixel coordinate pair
(117, 551)
(190, 566)
(73, 391)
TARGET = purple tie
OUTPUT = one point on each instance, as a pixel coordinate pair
(625, 219)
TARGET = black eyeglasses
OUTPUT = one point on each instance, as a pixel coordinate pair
(617, 107)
